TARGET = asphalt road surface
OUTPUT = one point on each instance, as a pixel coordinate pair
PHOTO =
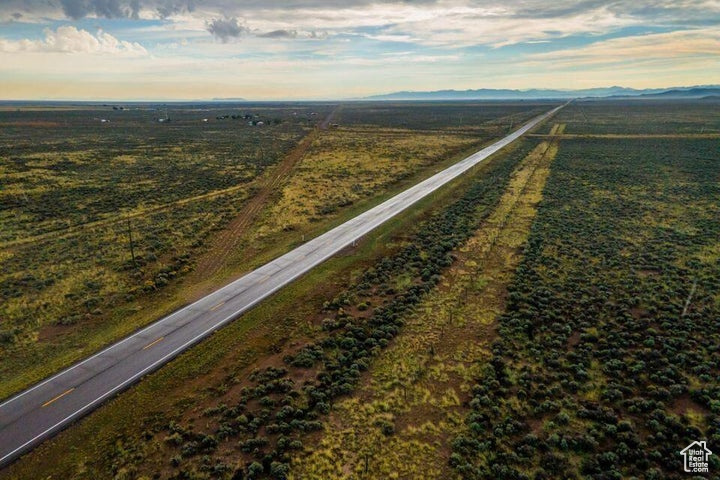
(46, 408)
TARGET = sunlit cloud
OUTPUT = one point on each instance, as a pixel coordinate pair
(68, 39)
(688, 44)
(323, 48)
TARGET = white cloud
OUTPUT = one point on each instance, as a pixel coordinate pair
(440, 23)
(279, 57)
(461, 26)
(671, 46)
(68, 39)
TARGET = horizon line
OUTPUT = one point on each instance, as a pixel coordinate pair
(371, 97)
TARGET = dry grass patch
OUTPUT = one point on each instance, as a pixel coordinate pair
(344, 166)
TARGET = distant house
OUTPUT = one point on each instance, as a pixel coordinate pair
(166, 119)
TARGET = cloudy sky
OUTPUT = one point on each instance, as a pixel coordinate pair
(311, 49)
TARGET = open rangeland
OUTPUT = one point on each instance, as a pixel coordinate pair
(551, 314)
(112, 218)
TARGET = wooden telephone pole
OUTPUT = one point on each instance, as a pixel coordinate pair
(132, 244)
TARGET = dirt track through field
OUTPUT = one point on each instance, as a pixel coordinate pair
(228, 240)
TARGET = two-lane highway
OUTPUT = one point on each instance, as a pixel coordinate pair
(46, 408)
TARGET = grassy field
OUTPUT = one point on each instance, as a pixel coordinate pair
(98, 216)
(63, 168)
(462, 117)
(585, 362)
(606, 364)
(76, 190)
(346, 165)
(637, 117)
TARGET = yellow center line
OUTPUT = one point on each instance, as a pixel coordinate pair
(217, 306)
(58, 397)
(152, 343)
(264, 279)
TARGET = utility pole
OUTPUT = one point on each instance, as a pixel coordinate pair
(259, 146)
(132, 244)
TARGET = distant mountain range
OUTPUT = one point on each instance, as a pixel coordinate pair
(695, 92)
(508, 94)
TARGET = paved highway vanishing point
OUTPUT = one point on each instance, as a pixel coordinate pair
(41, 411)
